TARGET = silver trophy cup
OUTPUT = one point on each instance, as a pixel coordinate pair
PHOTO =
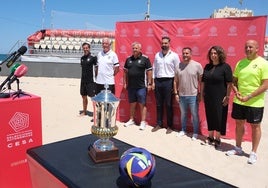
(105, 107)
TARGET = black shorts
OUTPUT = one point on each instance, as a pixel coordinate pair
(100, 87)
(87, 89)
(251, 114)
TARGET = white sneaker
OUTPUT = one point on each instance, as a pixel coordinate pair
(194, 137)
(181, 133)
(129, 123)
(142, 125)
(235, 151)
(252, 158)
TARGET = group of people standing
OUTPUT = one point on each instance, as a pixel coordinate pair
(249, 82)
(189, 83)
(97, 71)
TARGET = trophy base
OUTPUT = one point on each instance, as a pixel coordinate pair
(99, 156)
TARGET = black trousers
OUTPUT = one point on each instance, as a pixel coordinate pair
(163, 96)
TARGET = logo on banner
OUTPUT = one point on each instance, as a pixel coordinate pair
(180, 32)
(123, 96)
(123, 49)
(232, 31)
(178, 50)
(231, 51)
(122, 112)
(213, 31)
(252, 30)
(195, 51)
(21, 136)
(136, 32)
(149, 50)
(123, 33)
(196, 31)
(164, 33)
(150, 32)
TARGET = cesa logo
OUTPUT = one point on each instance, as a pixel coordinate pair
(19, 121)
(19, 143)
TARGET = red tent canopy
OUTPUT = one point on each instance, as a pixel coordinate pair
(68, 33)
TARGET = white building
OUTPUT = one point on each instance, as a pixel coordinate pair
(231, 12)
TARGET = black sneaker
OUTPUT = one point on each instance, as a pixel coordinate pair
(217, 143)
(210, 140)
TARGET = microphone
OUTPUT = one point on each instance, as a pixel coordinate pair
(15, 55)
(19, 72)
(12, 71)
(14, 67)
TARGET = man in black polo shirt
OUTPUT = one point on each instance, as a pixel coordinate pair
(87, 86)
(137, 80)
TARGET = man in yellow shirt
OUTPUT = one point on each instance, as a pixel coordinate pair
(250, 81)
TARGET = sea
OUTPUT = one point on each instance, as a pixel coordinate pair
(3, 57)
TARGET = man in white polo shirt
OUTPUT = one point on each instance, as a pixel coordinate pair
(107, 67)
(163, 73)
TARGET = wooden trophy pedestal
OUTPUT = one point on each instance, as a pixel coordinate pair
(99, 156)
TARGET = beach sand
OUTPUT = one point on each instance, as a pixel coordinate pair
(61, 103)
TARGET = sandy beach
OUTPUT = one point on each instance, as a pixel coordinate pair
(61, 104)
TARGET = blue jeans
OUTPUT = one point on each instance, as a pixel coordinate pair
(189, 102)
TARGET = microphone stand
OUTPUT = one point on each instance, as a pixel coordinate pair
(19, 92)
(2, 90)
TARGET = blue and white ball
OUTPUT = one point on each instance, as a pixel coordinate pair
(137, 166)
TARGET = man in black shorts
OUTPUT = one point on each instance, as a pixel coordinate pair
(87, 86)
(250, 82)
(137, 80)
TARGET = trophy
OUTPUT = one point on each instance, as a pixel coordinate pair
(105, 105)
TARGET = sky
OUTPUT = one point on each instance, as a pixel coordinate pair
(19, 19)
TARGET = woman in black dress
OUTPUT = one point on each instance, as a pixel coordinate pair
(215, 90)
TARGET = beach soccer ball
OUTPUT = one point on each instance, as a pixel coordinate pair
(137, 166)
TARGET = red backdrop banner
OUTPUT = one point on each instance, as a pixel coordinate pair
(200, 35)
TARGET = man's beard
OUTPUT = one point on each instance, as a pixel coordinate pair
(164, 47)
